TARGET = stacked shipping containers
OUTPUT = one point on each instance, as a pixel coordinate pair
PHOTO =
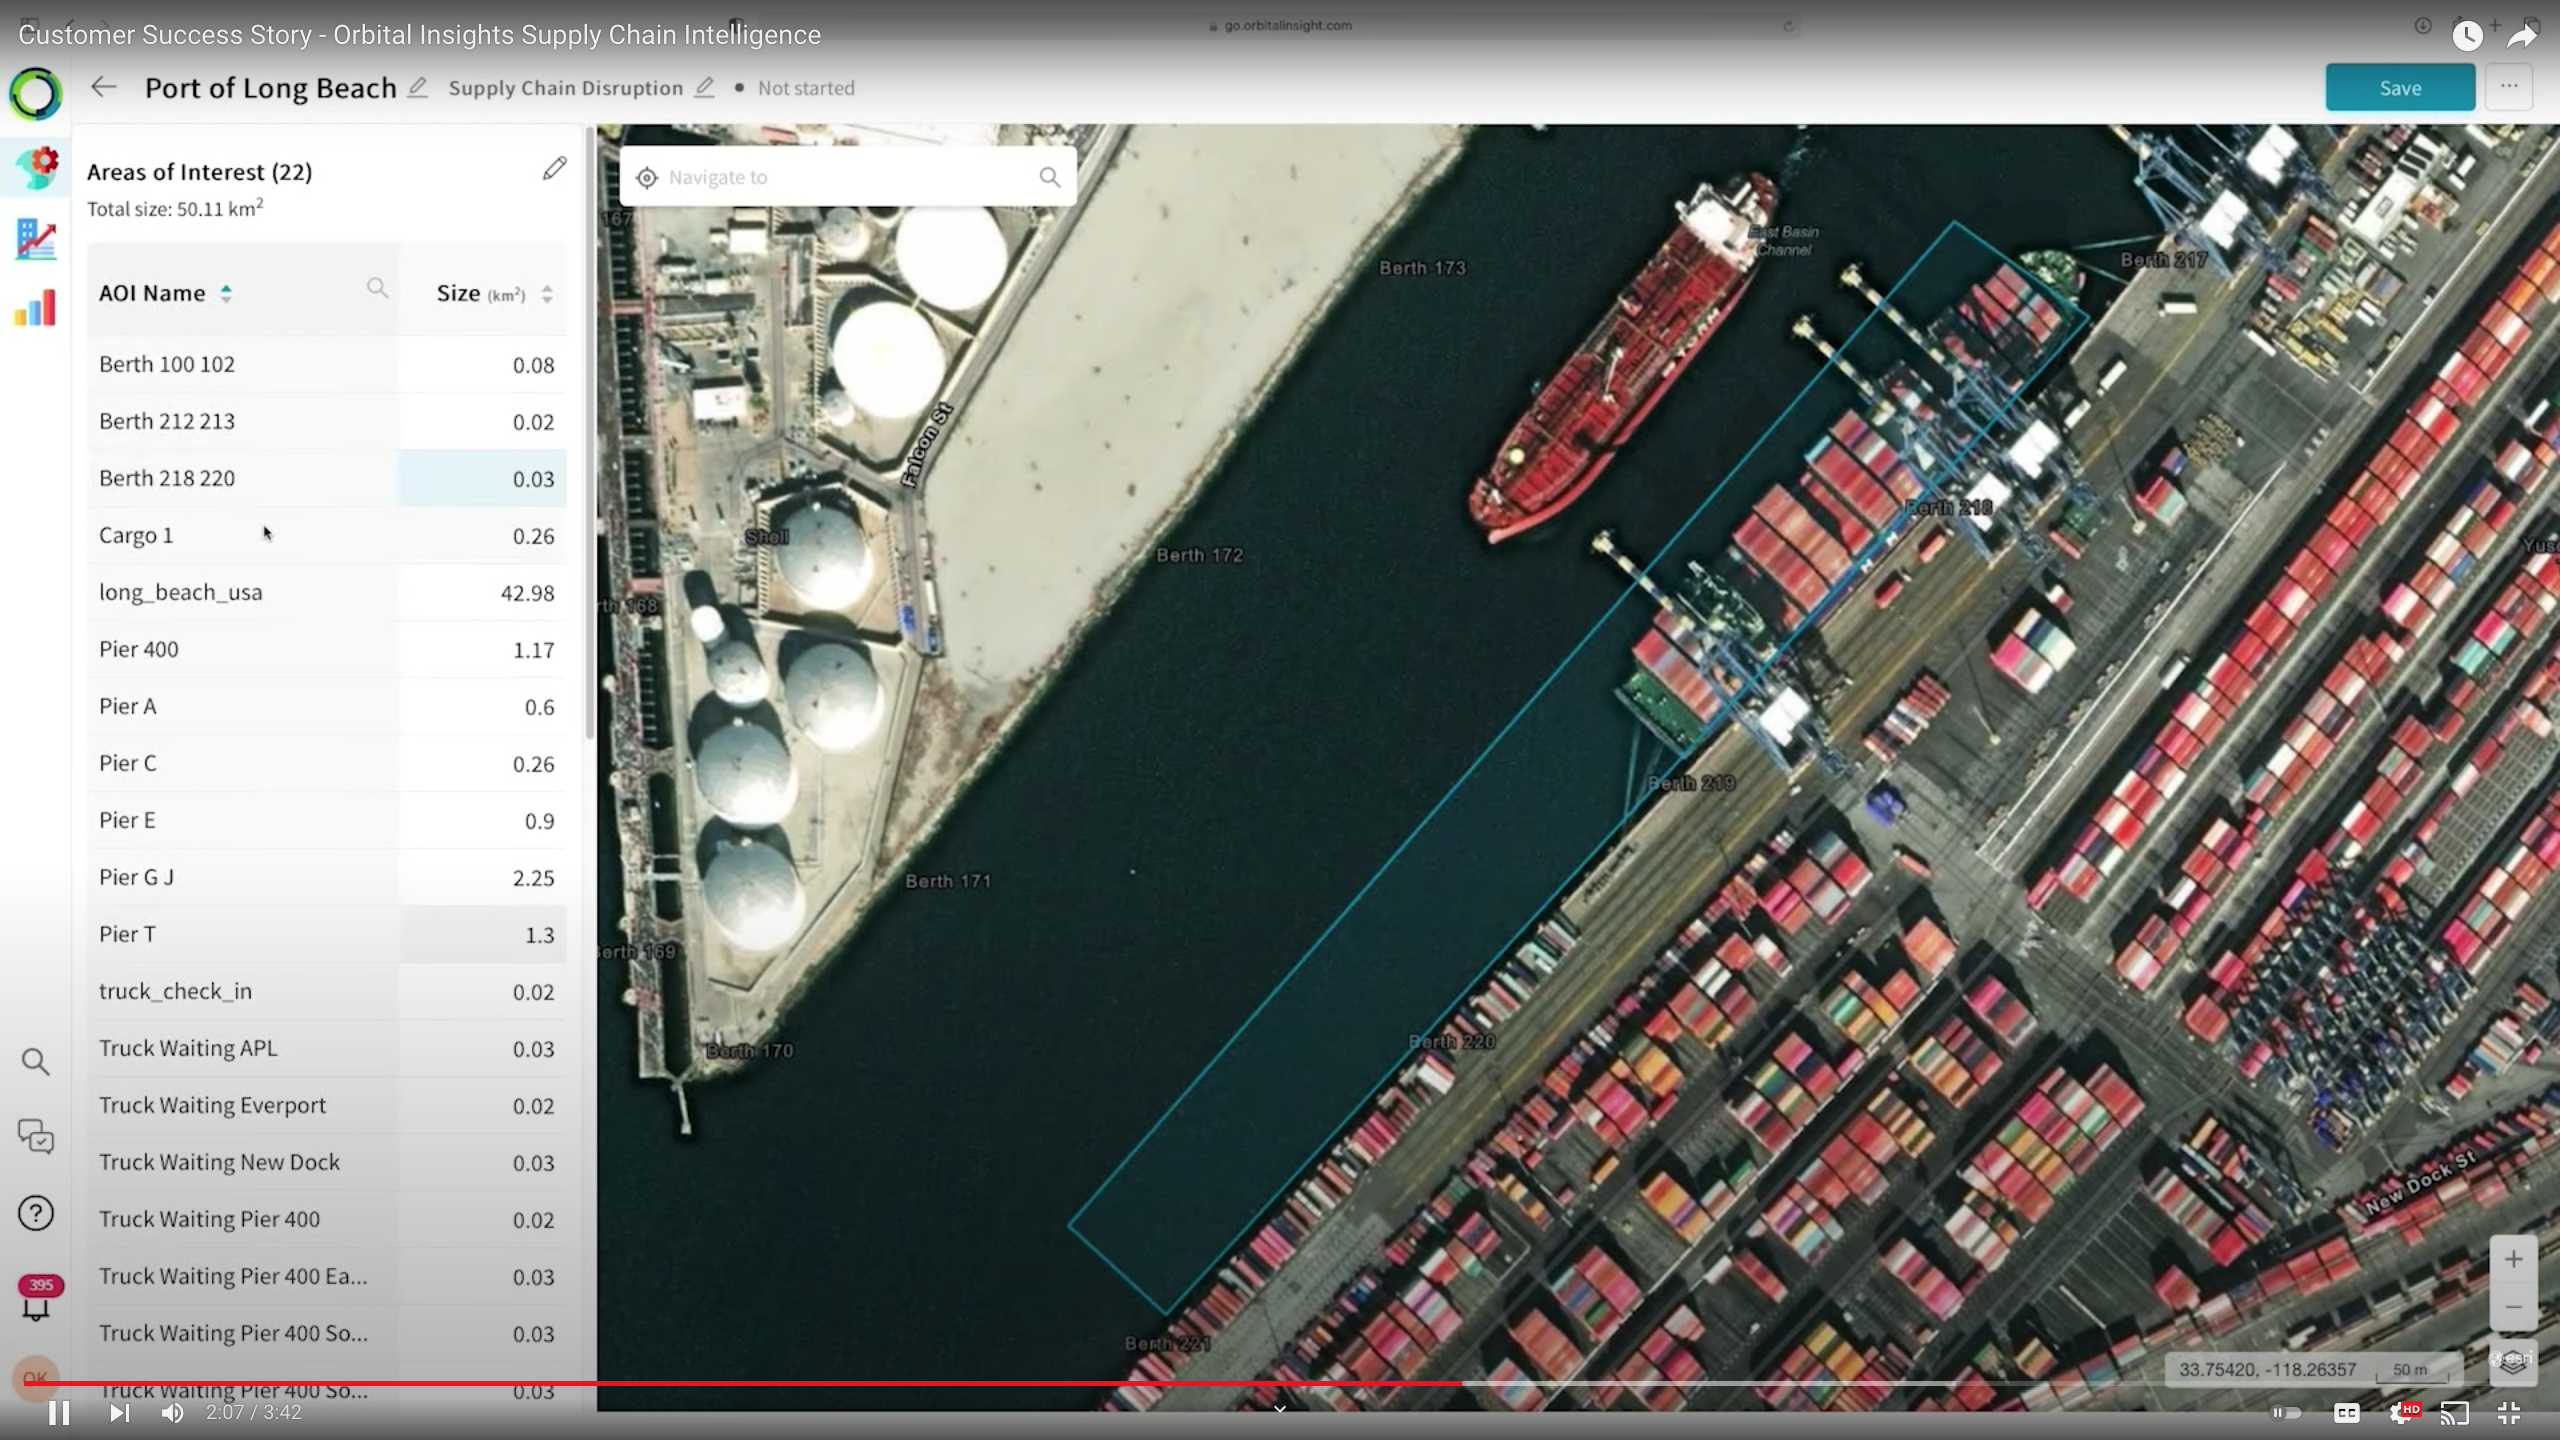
(1954, 1061)
(2209, 1202)
(2033, 650)
(1689, 1216)
(1615, 1079)
(2056, 1134)
(1856, 479)
(1664, 1369)
(2426, 587)
(2157, 494)
(1784, 1092)
(1912, 711)
(1550, 1353)
(2311, 734)
(2002, 324)
(2270, 625)
(1928, 945)
(1828, 1369)
(2222, 844)
(1897, 1118)
(1596, 1291)
(2488, 913)
(2476, 1169)
(1928, 1284)
(2504, 1146)
(2531, 711)
(2514, 1035)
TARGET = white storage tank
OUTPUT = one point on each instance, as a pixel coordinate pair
(745, 775)
(833, 694)
(753, 895)
(952, 257)
(889, 360)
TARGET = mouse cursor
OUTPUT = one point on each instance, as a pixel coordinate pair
(263, 530)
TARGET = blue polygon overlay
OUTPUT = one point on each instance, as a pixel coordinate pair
(1447, 904)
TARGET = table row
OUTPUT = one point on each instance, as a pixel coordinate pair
(123, 641)
(353, 976)
(232, 363)
(316, 585)
(143, 824)
(328, 1339)
(334, 764)
(519, 1064)
(144, 1173)
(225, 529)
(242, 1270)
(217, 425)
(298, 890)
(146, 1051)
(158, 471)
(164, 706)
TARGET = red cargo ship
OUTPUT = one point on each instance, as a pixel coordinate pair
(1595, 402)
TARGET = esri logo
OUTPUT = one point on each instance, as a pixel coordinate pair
(35, 94)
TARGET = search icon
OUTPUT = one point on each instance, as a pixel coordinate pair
(374, 286)
(1049, 175)
(33, 1059)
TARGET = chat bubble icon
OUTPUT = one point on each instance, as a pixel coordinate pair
(41, 1142)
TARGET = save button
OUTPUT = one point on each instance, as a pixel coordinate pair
(2445, 87)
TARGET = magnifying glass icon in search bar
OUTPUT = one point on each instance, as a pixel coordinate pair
(374, 286)
(1049, 175)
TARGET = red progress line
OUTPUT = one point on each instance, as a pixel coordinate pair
(40, 239)
(788, 1384)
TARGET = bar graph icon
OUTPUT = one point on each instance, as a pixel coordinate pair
(42, 310)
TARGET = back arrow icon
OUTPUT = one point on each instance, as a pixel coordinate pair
(99, 87)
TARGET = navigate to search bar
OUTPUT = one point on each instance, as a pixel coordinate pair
(831, 175)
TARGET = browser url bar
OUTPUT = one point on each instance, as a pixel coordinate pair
(832, 175)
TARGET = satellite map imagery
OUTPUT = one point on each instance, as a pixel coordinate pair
(1585, 768)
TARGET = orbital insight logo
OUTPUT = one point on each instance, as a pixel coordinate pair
(35, 93)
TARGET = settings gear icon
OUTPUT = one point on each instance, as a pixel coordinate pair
(45, 160)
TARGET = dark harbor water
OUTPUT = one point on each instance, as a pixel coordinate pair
(1234, 752)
